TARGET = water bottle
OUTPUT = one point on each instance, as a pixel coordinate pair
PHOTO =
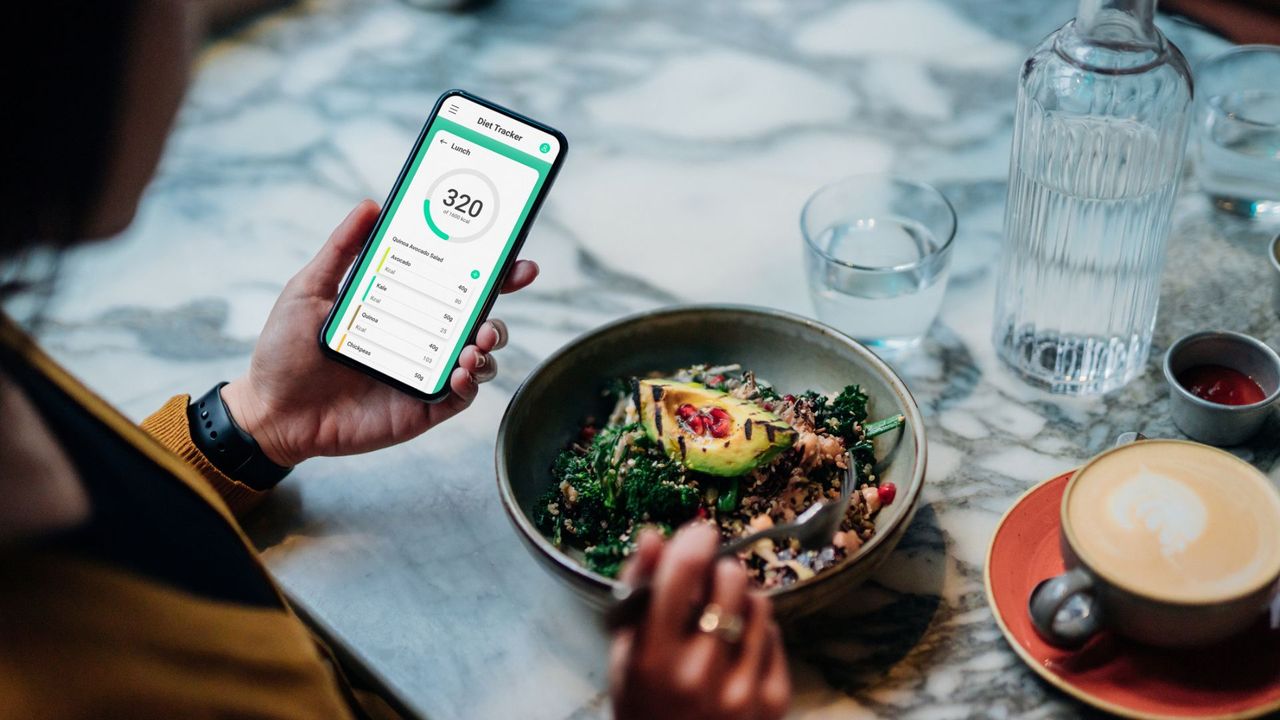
(1098, 141)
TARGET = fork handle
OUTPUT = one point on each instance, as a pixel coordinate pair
(631, 603)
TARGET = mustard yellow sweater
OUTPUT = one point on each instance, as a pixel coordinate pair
(80, 638)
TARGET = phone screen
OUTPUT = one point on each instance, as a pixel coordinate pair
(454, 220)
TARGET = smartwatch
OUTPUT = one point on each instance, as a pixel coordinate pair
(232, 450)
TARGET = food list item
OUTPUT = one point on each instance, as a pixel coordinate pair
(420, 287)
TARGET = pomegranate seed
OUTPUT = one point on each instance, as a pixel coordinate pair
(718, 413)
(702, 513)
(715, 380)
(588, 434)
(887, 491)
(789, 398)
(720, 428)
(696, 425)
(686, 411)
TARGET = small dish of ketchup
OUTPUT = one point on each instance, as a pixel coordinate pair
(1222, 386)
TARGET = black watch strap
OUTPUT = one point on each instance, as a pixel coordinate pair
(232, 450)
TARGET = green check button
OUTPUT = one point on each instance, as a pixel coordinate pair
(475, 274)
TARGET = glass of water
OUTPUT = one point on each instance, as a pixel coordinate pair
(877, 250)
(1238, 130)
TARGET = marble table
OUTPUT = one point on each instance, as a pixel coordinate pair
(697, 130)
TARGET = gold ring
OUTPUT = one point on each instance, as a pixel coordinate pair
(715, 621)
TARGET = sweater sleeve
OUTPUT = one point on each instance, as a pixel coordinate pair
(170, 427)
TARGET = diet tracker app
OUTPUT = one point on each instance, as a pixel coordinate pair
(417, 293)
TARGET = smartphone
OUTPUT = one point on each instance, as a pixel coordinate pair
(448, 233)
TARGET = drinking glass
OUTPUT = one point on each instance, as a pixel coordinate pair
(877, 251)
(1238, 130)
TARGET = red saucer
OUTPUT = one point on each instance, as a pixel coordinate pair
(1237, 679)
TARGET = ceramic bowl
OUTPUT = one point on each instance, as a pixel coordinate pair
(789, 351)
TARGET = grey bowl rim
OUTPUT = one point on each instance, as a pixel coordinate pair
(1212, 407)
(1272, 248)
(534, 538)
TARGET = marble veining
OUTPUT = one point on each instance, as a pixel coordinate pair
(697, 130)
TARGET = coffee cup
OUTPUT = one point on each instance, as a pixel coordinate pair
(1168, 542)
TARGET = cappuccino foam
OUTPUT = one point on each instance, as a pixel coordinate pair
(1176, 521)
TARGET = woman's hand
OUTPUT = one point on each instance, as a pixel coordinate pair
(669, 669)
(298, 404)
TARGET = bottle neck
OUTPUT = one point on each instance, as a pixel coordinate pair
(1118, 22)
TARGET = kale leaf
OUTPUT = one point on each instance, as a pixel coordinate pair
(655, 490)
(583, 512)
(842, 414)
(607, 557)
(603, 491)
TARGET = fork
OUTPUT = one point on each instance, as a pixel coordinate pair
(813, 528)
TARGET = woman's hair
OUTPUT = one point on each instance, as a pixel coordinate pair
(62, 62)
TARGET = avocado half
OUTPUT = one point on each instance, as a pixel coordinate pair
(688, 421)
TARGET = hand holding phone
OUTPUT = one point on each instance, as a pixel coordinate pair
(446, 238)
(298, 404)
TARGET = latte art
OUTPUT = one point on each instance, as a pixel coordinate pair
(1176, 521)
(1165, 507)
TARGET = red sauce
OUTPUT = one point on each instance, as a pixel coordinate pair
(1222, 385)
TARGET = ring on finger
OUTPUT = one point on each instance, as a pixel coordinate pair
(725, 626)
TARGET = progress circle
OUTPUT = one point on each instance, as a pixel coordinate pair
(461, 205)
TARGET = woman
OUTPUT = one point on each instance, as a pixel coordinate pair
(126, 587)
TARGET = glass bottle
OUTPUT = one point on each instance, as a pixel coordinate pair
(1098, 143)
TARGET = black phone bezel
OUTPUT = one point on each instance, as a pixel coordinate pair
(487, 302)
